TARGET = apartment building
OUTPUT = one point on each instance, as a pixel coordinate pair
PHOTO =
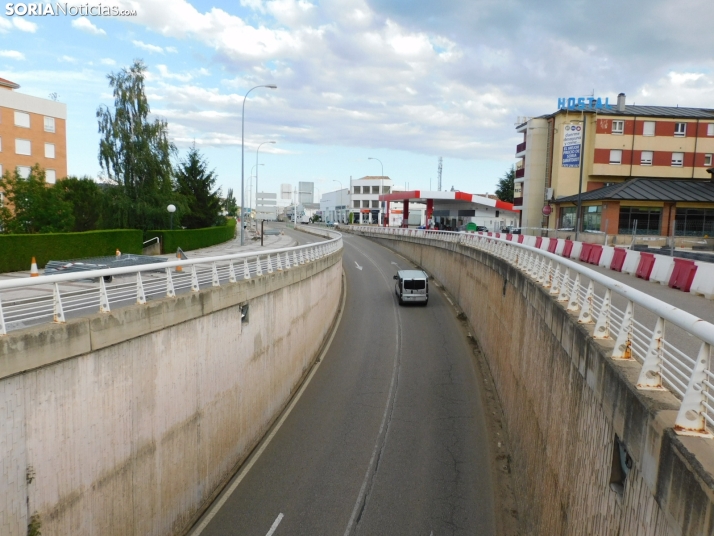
(364, 195)
(32, 131)
(619, 144)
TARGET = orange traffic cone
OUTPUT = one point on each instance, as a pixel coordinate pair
(33, 269)
(178, 268)
(118, 253)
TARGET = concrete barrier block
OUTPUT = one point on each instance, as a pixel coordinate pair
(545, 243)
(703, 283)
(662, 269)
(608, 252)
(632, 261)
(559, 248)
(575, 252)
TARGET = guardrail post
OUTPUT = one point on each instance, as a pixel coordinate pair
(216, 282)
(563, 290)
(651, 375)
(194, 279)
(586, 316)
(258, 267)
(280, 263)
(287, 260)
(555, 286)
(246, 269)
(170, 291)
(270, 266)
(602, 326)
(548, 276)
(57, 301)
(302, 257)
(103, 298)
(3, 331)
(140, 295)
(231, 273)
(690, 419)
(574, 300)
(623, 344)
(295, 258)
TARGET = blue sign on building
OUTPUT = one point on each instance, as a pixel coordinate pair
(572, 145)
(583, 103)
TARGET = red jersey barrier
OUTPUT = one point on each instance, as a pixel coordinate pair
(552, 245)
(520, 238)
(618, 259)
(644, 269)
(595, 254)
(539, 241)
(683, 274)
(567, 249)
(585, 252)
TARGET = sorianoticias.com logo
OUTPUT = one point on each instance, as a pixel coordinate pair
(72, 10)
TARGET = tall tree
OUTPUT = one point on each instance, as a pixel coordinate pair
(196, 185)
(86, 199)
(135, 153)
(504, 189)
(34, 206)
(230, 205)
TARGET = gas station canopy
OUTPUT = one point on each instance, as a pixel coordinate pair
(446, 198)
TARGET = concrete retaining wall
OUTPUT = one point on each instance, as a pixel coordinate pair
(564, 400)
(126, 423)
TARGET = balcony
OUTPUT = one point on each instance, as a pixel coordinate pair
(520, 148)
(517, 201)
(520, 173)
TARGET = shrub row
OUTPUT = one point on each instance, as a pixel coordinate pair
(188, 239)
(17, 250)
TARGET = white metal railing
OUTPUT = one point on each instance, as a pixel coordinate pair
(686, 372)
(149, 281)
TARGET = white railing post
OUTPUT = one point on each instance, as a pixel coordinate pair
(555, 285)
(103, 297)
(563, 294)
(651, 373)
(280, 263)
(57, 301)
(170, 291)
(246, 269)
(295, 258)
(194, 279)
(231, 273)
(574, 299)
(586, 313)
(287, 260)
(690, 419)
(602, 326)
(140, 294)
(623, 343)
(258, 267)
(215, 280)
(3, 330)
(270, 266)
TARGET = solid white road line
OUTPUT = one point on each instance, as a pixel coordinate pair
(275, 525)
(215, 508)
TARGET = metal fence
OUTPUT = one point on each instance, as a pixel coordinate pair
(57, 297)
(636, 321)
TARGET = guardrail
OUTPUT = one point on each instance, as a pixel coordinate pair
(150, 282)
(686, 374)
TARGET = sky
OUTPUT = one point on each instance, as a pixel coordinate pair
(401, 81)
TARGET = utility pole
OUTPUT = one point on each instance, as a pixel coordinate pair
(441, 160)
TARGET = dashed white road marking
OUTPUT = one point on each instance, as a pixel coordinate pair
(275, 525)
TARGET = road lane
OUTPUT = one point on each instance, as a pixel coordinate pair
(389, 436)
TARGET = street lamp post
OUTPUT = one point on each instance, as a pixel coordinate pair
(380, 187)
(340, 183)
(256, 177)
(242, 160)
(171, 209)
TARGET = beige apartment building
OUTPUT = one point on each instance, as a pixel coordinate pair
(32, 131)
(668, 144)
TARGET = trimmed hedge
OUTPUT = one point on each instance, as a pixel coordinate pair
(17, 250)
(188, 239)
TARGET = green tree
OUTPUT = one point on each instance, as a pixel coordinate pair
(230, 205)
(135, 153)
(85, 197)
(504, 189)
(196, 185)
(32, 205)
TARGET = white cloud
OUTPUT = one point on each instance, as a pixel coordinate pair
(5, 25)
(24, 25)
(171, 50)
(68, 59)
(12, 54)
(181, 77)
(85, 25)
(148, 47)
(108, 61)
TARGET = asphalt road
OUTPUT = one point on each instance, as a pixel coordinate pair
(389, 437)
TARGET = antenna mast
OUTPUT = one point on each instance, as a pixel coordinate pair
(439, 179)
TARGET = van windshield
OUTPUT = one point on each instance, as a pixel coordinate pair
(414, 284)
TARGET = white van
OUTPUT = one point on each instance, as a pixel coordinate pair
(412, 286)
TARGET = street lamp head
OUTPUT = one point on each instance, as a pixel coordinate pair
(271, 86)
(171, 209)
(271, 142)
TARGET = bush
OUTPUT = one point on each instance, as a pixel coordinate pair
(188, 239)
(17, 250)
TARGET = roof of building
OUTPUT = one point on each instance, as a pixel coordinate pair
(651, 111)
(374, 178)
(645, 189)
(422, 195)
(7, 83)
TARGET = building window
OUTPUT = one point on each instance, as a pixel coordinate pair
(375, 204)
(0, 144)
(648, 128)
(592, 217)
(49, 150)
(375, 189)
(567, 217)
(358, 190)
(385, 189)
(707, 160)
(50, 176)
(616, 156)
(618, 127)
(355, 203)
(677, 159)
(23, 171)
(646, 219)
(22, 119)
(365, 203)
(49, 124)
(680, 129)
(694, 222)
(646, 158)
(23, 147)
(710, 129)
